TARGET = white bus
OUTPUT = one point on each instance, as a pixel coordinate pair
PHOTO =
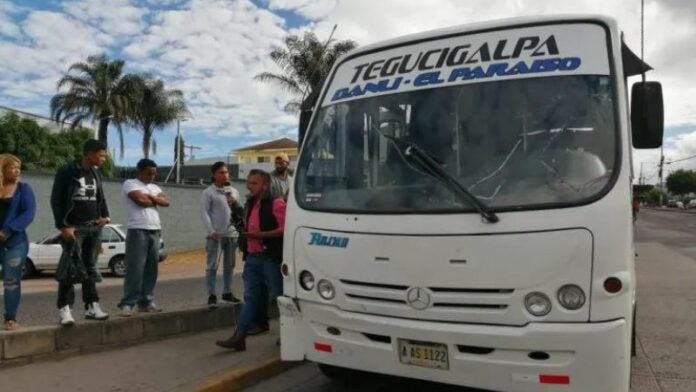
(461, 210)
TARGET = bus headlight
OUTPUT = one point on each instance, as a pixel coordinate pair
(571, 297)
(326, 289)
(307, 280)
(538, 304)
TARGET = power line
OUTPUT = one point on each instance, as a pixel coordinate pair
(679, 160)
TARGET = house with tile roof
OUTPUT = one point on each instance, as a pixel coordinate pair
(266, 152)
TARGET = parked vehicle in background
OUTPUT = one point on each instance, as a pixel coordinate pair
(44, 254)
(691, 204)
(679, 204)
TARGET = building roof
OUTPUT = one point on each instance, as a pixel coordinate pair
(278, 144)
(206, 161)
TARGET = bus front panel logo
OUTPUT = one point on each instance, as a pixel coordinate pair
(418, 298)
(317, 239)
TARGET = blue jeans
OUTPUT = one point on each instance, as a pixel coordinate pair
(260, 275)
(228, 247)
(12, 260)
(142, 257)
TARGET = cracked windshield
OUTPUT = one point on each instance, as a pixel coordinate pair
(526, 143)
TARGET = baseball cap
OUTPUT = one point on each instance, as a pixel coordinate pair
(282, 156)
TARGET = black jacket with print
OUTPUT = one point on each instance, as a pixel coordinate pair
(64, 186)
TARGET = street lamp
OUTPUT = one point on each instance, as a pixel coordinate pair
(178, 149)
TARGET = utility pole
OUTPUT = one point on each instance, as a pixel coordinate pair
(177, 162)
(640, 176)
(178, 158)
(191, 148)
(662, 164)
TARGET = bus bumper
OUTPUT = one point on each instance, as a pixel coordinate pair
(581, 356)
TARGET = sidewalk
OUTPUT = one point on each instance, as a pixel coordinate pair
(184, 363)
(179, 265)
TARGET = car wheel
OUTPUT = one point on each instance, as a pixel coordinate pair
(118, 266)
(28, 269)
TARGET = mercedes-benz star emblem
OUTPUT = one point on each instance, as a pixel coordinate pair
(418, 298)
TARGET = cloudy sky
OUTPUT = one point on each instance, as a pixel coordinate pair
(211, 49)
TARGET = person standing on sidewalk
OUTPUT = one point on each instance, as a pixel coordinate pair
(141, 200)
(217, 204)
(17, 210)
(80, 211)
(280, 177)
(263, 253)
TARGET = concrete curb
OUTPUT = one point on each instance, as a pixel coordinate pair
(238, 379)
(55, 342)
(670, 209)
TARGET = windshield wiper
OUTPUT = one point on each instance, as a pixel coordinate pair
(432, 167)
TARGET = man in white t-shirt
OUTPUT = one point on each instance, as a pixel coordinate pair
(141, 198)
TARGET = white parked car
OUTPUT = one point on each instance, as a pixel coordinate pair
(44, 255)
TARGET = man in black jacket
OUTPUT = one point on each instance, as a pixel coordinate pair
(80, 212)
(263, 254)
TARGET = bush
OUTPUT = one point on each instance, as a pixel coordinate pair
(37, 147)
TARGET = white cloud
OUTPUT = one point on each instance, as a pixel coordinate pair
(211, 49)
(7, 26)
(310, 9)
(114, 17)
(54, 31)
(676, 148)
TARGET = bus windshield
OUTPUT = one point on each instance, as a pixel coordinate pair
(513, 144)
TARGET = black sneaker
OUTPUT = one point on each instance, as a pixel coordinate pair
(231, 298)
(212, 301)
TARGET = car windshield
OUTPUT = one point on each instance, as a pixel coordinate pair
(513, 144)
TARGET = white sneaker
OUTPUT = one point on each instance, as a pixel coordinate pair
(94, 312)
(66, 318)
(150, 308)
(126, 311)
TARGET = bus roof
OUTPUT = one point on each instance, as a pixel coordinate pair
(482, 26)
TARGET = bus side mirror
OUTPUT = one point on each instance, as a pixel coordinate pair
(647, 114)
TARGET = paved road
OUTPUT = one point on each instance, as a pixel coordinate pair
(676, 230)
(39, 308)
(666, 359)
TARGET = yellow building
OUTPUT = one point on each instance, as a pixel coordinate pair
(266, 152)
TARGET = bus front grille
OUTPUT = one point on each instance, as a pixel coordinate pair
(444, 302)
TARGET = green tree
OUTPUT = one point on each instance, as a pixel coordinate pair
(179, 152)
(37, 147)
(97, 90)
(304, 63)
(681, 182)
(155, 107)
(653, 196)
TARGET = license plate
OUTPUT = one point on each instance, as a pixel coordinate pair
(424, 354)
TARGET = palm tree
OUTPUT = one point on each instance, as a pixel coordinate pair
(304, 62)
(155, 107)
(96, 90)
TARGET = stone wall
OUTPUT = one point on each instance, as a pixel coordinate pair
(181, 225)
